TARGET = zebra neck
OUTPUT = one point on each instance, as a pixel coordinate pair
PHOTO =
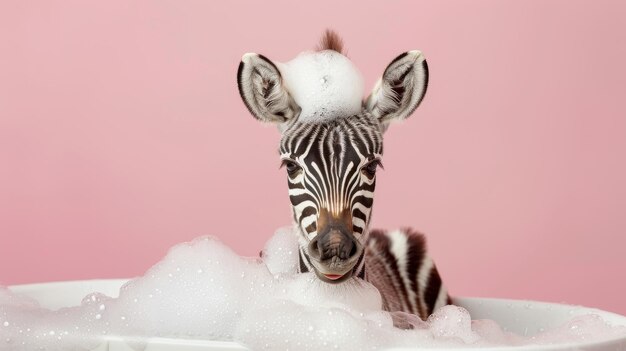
(306, 266)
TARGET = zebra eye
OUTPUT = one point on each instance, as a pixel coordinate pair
(291, 166)
(370, 168)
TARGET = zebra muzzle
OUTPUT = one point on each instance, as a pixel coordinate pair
(335, 250)
(334, 245)
(334, 256)
(337, 244)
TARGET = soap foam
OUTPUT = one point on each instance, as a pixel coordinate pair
(325, 84)
(583, 328)
(280, 254)
(203, 290)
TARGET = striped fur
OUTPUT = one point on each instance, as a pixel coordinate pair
(397, 263)
(333, 179)
(331, 172)
(331, 156)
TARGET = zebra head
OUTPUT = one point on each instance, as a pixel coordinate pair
(331, 164)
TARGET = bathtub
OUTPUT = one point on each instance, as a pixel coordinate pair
(518, 316)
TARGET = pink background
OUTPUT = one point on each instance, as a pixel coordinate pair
(122, 133)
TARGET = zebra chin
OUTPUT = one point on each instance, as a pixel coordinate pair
(336, 277)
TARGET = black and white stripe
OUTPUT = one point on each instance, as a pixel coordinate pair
(397, 263)
(331, 157)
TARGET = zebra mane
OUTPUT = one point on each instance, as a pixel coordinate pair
(331, 41)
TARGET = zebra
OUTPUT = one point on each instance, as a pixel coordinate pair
(331, 170)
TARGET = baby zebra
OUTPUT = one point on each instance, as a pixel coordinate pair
(331, 165)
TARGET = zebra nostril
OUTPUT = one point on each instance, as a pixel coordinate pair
(353, 251)
(314, 249)
(347, 250)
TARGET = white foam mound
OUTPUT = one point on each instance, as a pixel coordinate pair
(325, 84)
(280, 254)
(203, 290)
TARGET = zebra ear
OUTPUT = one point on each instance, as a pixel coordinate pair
(262, 90)
(400, 90)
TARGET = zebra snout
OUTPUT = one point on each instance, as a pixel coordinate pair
(335, 243)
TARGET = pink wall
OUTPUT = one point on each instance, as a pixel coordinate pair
(122, 133)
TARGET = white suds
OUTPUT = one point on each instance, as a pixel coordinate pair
(324, 84)
(203, 290)
(281, 252)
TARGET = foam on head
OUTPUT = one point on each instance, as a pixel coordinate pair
(325, 84)
(203, 290)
